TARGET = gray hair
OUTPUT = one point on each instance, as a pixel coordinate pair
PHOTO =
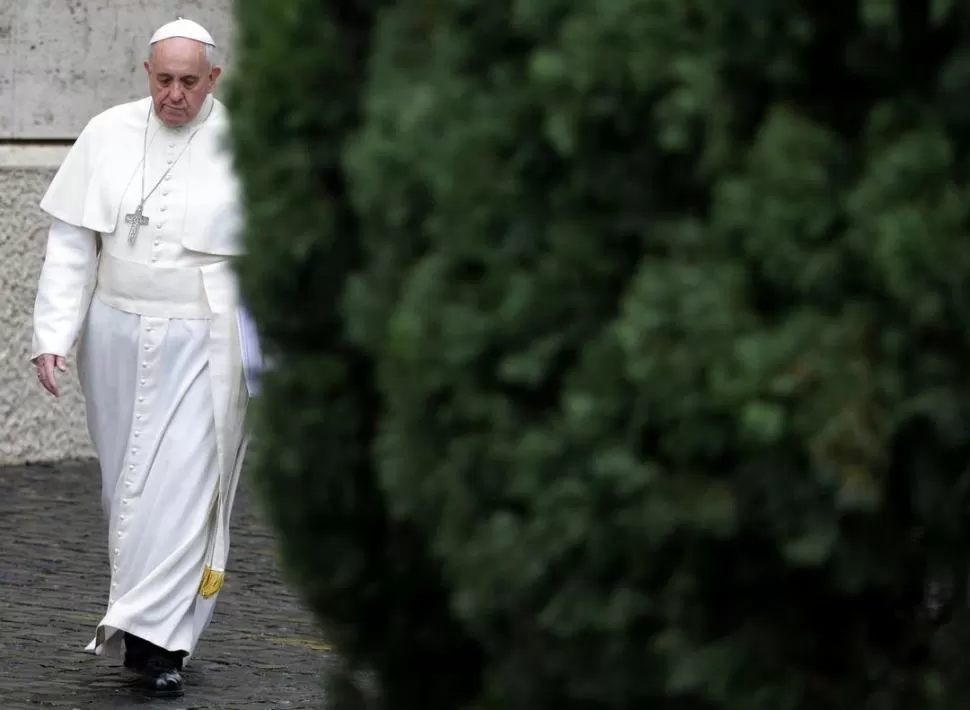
(211, 56)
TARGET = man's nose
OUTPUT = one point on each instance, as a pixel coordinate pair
(176, 94)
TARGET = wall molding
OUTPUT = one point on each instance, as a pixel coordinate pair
(28, 155)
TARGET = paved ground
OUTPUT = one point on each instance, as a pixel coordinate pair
(261, 650)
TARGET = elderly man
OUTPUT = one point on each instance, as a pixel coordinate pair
(138, 272)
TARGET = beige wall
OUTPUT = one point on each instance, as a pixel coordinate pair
(61, 61)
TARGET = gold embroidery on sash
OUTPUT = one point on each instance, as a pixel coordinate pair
(212, 582)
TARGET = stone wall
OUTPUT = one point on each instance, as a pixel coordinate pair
(61, 61)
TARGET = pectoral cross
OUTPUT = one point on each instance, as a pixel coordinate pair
(137, 220)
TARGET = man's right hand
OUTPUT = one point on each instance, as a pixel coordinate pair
(47, 368)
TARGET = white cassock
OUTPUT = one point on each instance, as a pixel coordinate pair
(159, 357)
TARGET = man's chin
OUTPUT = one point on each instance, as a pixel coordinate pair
(172, 117)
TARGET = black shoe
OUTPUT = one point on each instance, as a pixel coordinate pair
(161, 677)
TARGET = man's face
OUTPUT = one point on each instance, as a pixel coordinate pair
(180, 78)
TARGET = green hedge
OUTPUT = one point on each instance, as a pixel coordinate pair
(621, 344)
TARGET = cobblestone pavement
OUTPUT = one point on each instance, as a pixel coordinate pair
(261, 650)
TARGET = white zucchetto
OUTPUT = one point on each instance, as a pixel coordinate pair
(183, 28)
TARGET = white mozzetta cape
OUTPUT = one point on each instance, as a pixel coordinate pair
(89, 186)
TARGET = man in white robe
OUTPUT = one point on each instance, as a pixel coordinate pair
(138, 272)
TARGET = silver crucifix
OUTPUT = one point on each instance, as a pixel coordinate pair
(137, 220)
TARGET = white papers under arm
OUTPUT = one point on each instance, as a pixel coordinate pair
(252, 355)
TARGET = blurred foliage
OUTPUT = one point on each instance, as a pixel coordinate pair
(620, 344)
